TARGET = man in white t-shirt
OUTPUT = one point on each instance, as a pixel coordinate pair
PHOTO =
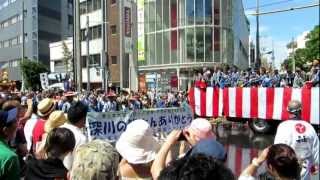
(302, 137)
(76, 122)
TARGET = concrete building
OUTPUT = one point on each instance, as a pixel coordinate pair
(177, 37)
(57, 65)
(43, 22)
(112, 36)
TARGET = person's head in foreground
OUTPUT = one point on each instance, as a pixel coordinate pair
(96, 160)
(59, 142)
(45, 107)
(198, 129)
(137, 144)
(209, 147)
(77, 114)
(56, 119)
(196, 167)
(8, 124)
(138, 148)
(294, 108)
(282, 162)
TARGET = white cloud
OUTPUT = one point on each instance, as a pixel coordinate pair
(301, 40)
(279, 46)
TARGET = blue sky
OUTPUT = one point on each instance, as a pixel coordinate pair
(281, 27)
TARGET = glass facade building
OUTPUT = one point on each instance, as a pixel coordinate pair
(181, 36)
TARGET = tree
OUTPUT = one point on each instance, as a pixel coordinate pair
(31, 70)
(302, 56)
(67, 57)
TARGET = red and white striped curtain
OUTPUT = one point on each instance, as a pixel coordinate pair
(264, 103)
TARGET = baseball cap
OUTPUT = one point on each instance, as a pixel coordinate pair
(209, 147)
(7, 117)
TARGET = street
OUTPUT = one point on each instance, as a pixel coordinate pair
(242, 145)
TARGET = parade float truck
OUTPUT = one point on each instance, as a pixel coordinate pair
(263, 108)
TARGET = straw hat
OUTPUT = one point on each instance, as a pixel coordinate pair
(45, 107)
(137, 144)
(56, 119)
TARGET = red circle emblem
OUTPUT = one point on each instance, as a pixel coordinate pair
(300, 128)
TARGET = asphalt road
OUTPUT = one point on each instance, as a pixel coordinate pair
(242, 145)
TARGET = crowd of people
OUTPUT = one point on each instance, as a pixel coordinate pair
(232, 77)
(42, 137)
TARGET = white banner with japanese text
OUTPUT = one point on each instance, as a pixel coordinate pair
(110, 125)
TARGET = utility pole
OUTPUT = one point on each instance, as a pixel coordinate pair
(88, 54)
(22, 45)
(76, 48)
(258, 60)
(293, 56)
(103, 63)
(273, 58)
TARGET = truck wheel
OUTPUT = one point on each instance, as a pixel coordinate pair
(260, 126)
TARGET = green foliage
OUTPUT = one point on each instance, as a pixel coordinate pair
(31, 70)
(67, 57)
(305, 55)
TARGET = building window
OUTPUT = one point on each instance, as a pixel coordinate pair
(89, 6)
(114, 60)
(94, 60)
(14, 41)
(113, 29)
(96, 32)
(83, 7)
(5, 43)
(113, 1)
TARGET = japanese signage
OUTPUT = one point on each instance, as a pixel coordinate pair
(110, 125)
(127, 27)
(127, 21)
(44, 80)
(141, 30)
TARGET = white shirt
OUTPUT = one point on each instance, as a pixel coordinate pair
(80, 139)
(302, 137)
(28, 128)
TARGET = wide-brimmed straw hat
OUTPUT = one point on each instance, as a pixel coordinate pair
(45, 107)
(137, 144)
(56, 119)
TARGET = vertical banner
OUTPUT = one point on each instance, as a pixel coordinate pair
(127, 27)
(141, 56)
(142, 83)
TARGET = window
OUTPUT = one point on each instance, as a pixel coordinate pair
(83, 7)
(96, 32)
(113, 1)
(113, 29)
(14, 41)
(5, 43)
(14, 19)
(70, 19)
(1, 44)
(114, 60)
(96, 4)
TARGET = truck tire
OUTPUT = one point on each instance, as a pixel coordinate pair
(260, 126)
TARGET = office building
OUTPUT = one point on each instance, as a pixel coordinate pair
(43, 22)
(178, 37)
(112, 35)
